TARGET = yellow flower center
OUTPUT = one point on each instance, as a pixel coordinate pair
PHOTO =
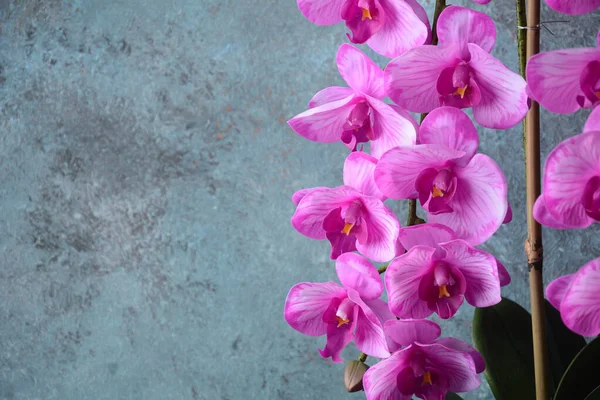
(443, 292)
(366, 14)
(341, 321)
(427, 379)
(347, 228)
(461, 91)
(435, 192)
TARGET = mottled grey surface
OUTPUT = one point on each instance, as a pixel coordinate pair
(146, 172)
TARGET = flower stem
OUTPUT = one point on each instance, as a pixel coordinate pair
(533, 244)
(439, 7)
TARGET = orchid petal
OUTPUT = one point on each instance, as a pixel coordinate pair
(573, 7)
(307, 302)
(479, 202)
(450, 127)
(402, 279)
(405, 332)
(329, 95)
(358, 273)
(322, 12)
(458, 367)
(299, 195)
(337, 338)
(381, 310)
(580, 308)
(411, 79)
(458, 26)
(542, 215)
(593, 121)
(390, 128)
(369, 336)
(503, 96)
(503, 274)
(422, 14)
(360, 72)
(398, 169)
(556, 290)
(553, 77)
(382, 231)
(425, 235)
(359, 168)
(459, 345)
(380, 381)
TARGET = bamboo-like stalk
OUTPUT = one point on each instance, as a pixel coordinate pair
(533, 244)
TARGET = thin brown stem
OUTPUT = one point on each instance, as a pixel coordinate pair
(439, 7)
(533, 245)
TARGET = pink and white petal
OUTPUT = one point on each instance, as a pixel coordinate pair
(329, 95)
(556, 290)
(479, 269)
(574, 7)
(337, 338)
(381, 310)
(458, 367)
(402, 280)
(425, 235)
(503, 274)
(322, 12)
(508, 217)
(553, 77)
(503, 96)
(380, 381)
(368, 335)
(356, 272)
(359, 168)
(422, 14)
(299, 195)
(405, 114)
(568, 168)
(324, 123)
(411, 79)
(305, 304)
(382, 228)
(316, 205)
(403, 30)
(479, 203)
(544, 217)
(360, 72)
(458, 26)
(593, 121)
(459, 345)
(390, 128)
(398, 169)
(405, 332)
(451, 127)
(580, 308)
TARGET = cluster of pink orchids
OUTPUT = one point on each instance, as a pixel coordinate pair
(434, 267)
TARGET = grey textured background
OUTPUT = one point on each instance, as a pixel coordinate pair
(146, 171)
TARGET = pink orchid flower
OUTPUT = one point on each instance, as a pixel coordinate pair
(464, 191)
(426, 368)
(571, 184)
(351, 311)
(438, 272)
(352, 217)
(390, 27)
(576, 297)
(573, 7)
(356, 114)
(459, 72)
(563, 81)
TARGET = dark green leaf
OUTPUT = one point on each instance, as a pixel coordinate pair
(595, 395)
(582, 376)
(563, 343)
(452, 396)
(502, 334)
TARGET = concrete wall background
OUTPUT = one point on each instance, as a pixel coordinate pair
(146, 172)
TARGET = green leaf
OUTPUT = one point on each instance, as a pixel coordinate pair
(563, 343)
(502, 334)
(595, 395)
(452, 396)
(582, 377)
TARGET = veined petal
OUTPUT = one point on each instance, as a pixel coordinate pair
(368, 336)
(322, 12)
(566, 172)
(380, 381)
(458, 367)
(411, 79)
(452, 128)
(324, 123)
(556, 290)
(329, 95)
(422, 14)
(402, 30)
(593, 121)
(405, 332)
(358, 273)
(398, 169)
(544, 217)
(307, 302)
(390, 128)
(458, 26)
(459, 345)
(360, 72)
(580, 308)
(316, 205)
(359, 168)
(479, 203)
(402, 280)
(299, 195)
(574, 7)
(479, 269)
(381, 310)
(425, 235)
(382, 228)
(553, 77)
(503, 96)
(503, 274)
(337, 338)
